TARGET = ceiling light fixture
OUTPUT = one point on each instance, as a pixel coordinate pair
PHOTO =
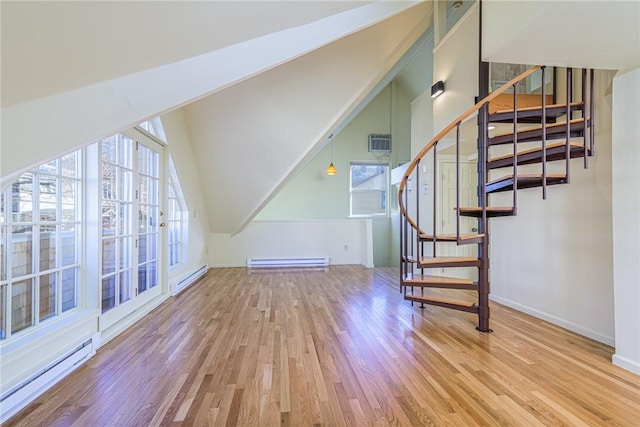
(437, 89)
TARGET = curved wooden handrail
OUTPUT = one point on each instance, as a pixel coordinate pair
(445, 131)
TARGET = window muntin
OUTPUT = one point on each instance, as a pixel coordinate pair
(39, 244)
(369, 183)
(175, 226)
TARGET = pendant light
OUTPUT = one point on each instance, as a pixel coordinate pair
(331, 170)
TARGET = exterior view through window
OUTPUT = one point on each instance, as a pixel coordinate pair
(368, 193)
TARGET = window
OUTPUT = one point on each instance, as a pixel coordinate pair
(368, 188)
(39, 244)
(175, 223)
(130, 201)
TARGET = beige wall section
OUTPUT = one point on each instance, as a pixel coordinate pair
(179, 148)
(312, 194)
(554, 259)
(626, 222)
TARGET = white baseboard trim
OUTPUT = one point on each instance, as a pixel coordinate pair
(20, 396)
(625, 363)
(573, 327)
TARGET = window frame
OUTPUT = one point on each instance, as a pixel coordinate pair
(386, 189)
(38, 223)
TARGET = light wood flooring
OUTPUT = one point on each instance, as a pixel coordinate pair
(336, 347)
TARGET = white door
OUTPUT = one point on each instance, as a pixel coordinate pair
(447, 213)
(130, 203)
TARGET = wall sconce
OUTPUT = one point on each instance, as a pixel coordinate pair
(437, 89)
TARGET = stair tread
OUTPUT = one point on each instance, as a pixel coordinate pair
(537, 149)
(438, 259)
(526, 176)
(450, 237)
(489, 209)
(492, 211)
(573, 104)
(427, 278)
(539, 127)
(440, 300)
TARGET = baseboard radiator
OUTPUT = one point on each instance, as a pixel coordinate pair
(287, 262)
(192, 278)
(22, 394)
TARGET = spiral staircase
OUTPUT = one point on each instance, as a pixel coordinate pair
(516, 147)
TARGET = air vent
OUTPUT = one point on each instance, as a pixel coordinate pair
(379, 143)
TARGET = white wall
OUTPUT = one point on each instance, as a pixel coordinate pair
(346, 241)
(455, 62)
(626, 222)
(554, 259)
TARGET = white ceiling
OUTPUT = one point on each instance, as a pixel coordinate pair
(579, 33)
(264, 82)
(54, 46)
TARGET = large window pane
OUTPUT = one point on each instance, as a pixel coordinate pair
(22, 251)
(142, 278)
(48, 198)
(108, 256)
(69, 200)
(3, 314)
(153, 274)
(109, 212)
(3, 253)
(69, 288)
(109, 182)
(69, 165)
(126, 289)
(47, 247)
(125, 218)
(68, 240)
(22, 198)
(21, 305)
(47, 287)
(108, 293)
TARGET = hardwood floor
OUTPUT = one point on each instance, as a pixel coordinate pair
(337, 347)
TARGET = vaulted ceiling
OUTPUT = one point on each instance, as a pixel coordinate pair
(261, 84)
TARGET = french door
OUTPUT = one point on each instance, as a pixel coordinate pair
(130, 223)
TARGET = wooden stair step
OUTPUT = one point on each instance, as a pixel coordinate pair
(555, 151)
(492, 211)
(470, 307)
(464, 238)
(552, 112)
(554, 131)
(506, 182)
(445, 261)
(429, 281)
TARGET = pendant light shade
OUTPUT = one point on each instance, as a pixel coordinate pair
(331, 170)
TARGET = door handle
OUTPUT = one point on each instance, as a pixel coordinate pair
(474, 229)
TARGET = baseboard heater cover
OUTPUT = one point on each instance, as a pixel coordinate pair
(16, 398)
(287, 262)
(190, 279)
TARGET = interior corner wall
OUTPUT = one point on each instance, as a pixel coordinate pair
(626, 222)
(313, 195)
(179, 147)
(554, 260)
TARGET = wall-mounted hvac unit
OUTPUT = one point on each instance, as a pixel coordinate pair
(379, 143)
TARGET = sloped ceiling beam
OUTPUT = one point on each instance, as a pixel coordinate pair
(80, 115)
